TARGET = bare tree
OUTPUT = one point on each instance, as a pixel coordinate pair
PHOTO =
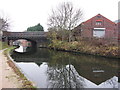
(4, 24)
(65, 17)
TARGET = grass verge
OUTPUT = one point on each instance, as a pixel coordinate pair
(3, 45)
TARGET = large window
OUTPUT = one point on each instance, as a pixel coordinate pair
(99, 32)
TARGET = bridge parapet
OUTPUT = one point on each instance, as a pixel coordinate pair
(25, 34)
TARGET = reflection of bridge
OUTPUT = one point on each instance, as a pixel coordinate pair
(38, 61)
(38, 37)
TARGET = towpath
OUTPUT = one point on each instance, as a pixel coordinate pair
(8, 79)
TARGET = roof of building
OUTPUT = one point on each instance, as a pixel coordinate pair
(99, 20)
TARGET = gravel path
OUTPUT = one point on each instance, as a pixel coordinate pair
(8, 79)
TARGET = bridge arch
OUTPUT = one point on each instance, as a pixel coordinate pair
(37, 37)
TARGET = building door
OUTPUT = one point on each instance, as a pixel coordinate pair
(99, 32)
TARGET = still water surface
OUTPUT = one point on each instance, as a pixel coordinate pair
(56, 69)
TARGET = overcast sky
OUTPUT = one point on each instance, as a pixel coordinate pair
(25, 13)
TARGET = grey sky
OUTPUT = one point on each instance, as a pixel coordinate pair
(25, 13)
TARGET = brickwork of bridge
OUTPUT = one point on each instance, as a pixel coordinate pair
(39, 37)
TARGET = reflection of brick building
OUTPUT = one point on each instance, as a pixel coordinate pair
(24, 43)
(98, 26)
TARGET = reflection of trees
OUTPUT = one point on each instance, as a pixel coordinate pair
(83, 65)
(64, 77)
(113, 82)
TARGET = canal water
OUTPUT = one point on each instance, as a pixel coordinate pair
(56, 69)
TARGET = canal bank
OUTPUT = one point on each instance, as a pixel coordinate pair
(89, 48)
(11, 76)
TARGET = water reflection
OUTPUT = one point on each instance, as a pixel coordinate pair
(21, 49)
(24, 46)
(67, 70)
(64, 77)
(35, 73)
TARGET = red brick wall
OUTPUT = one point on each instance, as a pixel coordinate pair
(118, 26)
(89, 25)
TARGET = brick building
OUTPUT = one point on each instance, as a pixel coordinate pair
(98, 26)
(118, 31)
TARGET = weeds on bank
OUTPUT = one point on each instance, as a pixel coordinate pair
(88, 47)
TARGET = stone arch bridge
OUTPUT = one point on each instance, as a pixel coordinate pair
(38, 37)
